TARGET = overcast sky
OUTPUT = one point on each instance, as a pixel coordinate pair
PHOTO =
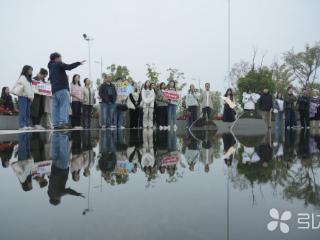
(190, 35)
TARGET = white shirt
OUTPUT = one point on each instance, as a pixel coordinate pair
(280, 104)
(207, 95)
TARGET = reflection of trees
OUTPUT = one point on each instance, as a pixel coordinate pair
(295, 175)
(302, 183)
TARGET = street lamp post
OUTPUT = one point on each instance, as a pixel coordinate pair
(88, 39)
(101, 65)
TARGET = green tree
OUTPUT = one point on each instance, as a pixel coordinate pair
(282, 77)
(152, 73)
(256, 80)
(305, 64)
(177, 76)
(119, 71)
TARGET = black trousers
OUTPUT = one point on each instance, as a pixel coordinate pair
(87, 113)
(76, 114)
(194, 113)
(206, 111)
(162, 115)
(134, 118)
(304, 118)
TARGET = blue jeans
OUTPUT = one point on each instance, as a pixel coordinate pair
(290, 118)
(107, 113)
(279, 119)
(24, 111)
(23, 146)
(60, 150)
(60, 107)
(172, 114)
(118, 118)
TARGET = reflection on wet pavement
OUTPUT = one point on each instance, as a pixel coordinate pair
(133, 183)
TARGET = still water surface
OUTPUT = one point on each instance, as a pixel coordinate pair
(134, 184)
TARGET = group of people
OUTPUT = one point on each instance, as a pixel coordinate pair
(284, 107)
(148, 107)
(48, 158)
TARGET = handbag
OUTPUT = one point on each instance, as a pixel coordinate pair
(122, 107)
(17, 89)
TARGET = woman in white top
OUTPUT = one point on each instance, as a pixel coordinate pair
(278, 109)
(77, 99)
(23, 89)
(88, 102)
(147, 104)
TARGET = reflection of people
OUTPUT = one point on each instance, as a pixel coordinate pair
(265, 150)
(192, 153)
(228, 147)
(60, 169)
(206, 154)
(88, 153)
(77, 161)
(23, 167)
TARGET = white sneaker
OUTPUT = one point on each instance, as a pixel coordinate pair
(77, 127)
(39, 127)
(160, 127)
(112, 126)
(122, 127)
(175, 127)
(24, 128)
(30, 128)
(168, 128)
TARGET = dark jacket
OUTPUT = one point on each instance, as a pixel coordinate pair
(265, 102)
(304, 103)
(57, 75)
(6, 102)
(289, 101)
(108, 93)
(37, 105)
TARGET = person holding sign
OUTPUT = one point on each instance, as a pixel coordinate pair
(37, 105)
(228, 107)
(147, 103)
(172, 105)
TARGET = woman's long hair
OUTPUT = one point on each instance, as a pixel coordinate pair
(145, 85)
(231, 94)
(25, 73)
(3, 93)
(174, 84)
(74, 79)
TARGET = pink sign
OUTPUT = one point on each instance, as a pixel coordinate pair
(170, 95)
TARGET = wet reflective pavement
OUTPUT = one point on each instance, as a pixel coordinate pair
(134, 184)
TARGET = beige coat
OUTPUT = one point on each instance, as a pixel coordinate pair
(23, 88)
(203, 99)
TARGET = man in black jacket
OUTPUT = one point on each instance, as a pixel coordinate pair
(266, 104)
(60, 90)
(108, 95)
